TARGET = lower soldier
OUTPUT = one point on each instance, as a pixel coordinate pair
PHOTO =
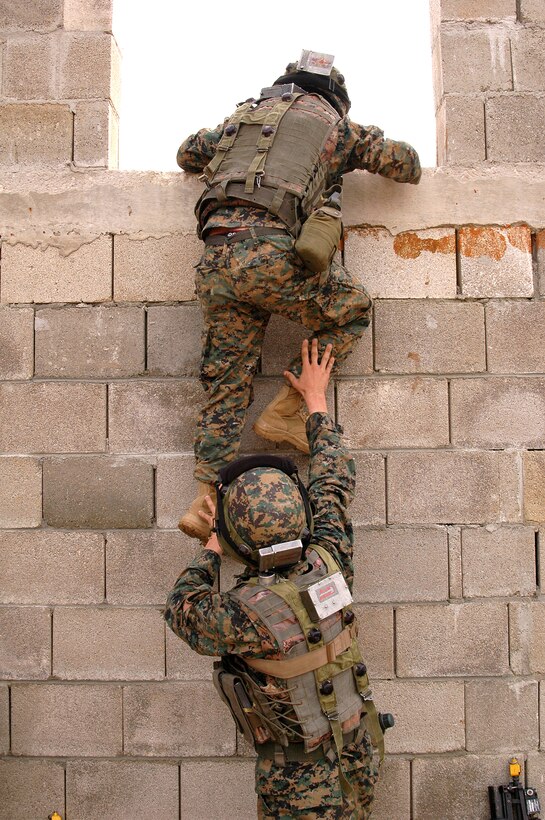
(290, 668)
(270, 218)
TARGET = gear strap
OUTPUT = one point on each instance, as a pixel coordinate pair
(305, 663)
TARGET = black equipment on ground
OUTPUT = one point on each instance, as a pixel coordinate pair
(513, 801)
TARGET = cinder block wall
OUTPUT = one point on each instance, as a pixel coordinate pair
(102, 711)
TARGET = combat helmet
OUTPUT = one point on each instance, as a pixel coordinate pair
(315, 72)
(263, 515)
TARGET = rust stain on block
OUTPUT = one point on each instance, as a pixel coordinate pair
(409, 245)
(492, 242)
(540, 240)
(520, 237)
(482, 242)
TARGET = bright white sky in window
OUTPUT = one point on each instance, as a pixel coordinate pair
(186, 65)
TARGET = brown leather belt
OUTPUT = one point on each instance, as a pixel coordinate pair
(221, 236)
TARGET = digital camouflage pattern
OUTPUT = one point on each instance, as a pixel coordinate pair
(265, 507)
(215, 624)
(308, 791)
(240, 285)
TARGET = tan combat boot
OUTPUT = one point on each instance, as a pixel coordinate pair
(191, 523)
(284, 419)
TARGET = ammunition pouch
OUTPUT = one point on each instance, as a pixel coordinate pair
(319, 238)
(233, 693)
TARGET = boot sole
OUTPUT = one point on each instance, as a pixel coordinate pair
(273, 434)
(193, 527)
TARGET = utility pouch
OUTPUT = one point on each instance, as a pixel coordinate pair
(233, 692)
(321, 233)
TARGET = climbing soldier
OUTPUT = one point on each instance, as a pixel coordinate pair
(270, 217)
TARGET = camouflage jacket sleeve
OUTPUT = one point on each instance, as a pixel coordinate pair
(210, 622)
(366, 148)
(332, 482)
(196, 152)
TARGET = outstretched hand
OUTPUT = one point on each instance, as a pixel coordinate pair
(315, 374)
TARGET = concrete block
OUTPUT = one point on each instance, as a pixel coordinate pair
(475, 60)
(177, 719)
(528, 48)
(513, 721)
(277, 357)
(429, 337)
(31, 788)
(20, 492)
(460, 131)
(394, 413)
(141, 567)
(4, 723)
(376, 639)
(422, 552)
(535, 769)
(70, 720)
(36, 274)
(87, 15)
(45, 567)
(16, 343)
(96, 135)
(90, 342)
(532, 11)
(534, 482)
(498, 412)
(515, 337)
(41, 15)
(393, 790)
(453, 487)
(183, 663)
(202, 800)
(514, 128)
(89, 65)
(127, 644)
(25, 642)
(526, 630)
(153, 416)
(437, 791)
(125, 789)
(35, 134)
(458, 639)
(454, 562)
(540, 253)
(155, 270)
(411, 265)
(30, 68)
(175, 488)
(51, 418)
(496, 261)
(174, 334)
(369, 505)
(95, 493)
(478, 9)
(419, 708)
(488, 566)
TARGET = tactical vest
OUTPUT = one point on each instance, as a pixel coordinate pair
(269, 156)
(319, 691)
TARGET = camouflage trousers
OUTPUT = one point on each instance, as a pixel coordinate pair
(239, 286)
(312, 790)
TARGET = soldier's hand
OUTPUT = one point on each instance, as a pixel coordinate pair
(212, 543)
(315, 374)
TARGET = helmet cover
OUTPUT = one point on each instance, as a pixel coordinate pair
(263, 507)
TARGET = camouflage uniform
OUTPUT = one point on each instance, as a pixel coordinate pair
(241, 284)
(216, 624)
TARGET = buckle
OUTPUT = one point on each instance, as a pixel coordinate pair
(332, 714)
